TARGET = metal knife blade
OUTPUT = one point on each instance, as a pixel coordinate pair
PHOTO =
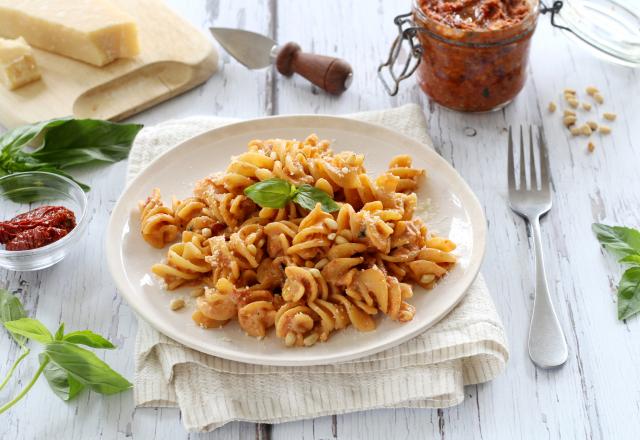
(251, 49)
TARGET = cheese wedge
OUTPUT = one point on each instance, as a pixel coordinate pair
(17, 65)
(93, 31)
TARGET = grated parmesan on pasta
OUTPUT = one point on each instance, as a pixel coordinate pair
(307, 273)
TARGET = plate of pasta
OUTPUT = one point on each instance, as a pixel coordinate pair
(295, 240)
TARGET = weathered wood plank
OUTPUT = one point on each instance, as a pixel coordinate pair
(595, 395)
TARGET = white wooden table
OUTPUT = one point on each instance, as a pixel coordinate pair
(595, 395)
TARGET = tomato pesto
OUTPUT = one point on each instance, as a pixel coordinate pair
(36, 228)
(475, 52)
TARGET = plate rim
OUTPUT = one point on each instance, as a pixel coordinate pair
(116, 222)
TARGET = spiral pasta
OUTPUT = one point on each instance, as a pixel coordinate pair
(306, 273)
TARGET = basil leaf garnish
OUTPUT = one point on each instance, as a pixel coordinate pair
(30, 329)
(10, 310)
(629, 293)
(276, 193)
(618, 239)
(86, 367)
(88, 338)
(62, 384)
(271, 193)
(307, 196)
(58, 144)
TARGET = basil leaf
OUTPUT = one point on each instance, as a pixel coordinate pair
(30, 328)
(271, 193)
(59, 333)
(629, 293)
(62, 143)
(634, 260)
(10, 310)
(86, 367)
(88, 338)
(62, 384)
(618, 239)
(307, 196)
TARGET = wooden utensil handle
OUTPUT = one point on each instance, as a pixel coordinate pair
(331, 74)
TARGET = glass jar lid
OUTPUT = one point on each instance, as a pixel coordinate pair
(608, 28)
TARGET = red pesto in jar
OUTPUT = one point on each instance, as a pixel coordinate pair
(475, 52)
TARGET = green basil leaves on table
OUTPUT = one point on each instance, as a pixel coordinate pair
(625, 244)
(57, 144)
(67, 367)
(10, 310)
(277, 193)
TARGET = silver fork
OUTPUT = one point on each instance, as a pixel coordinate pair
(547, 344)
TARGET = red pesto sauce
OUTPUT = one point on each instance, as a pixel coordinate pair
(36, 228)
(477, 15)
(475, 52)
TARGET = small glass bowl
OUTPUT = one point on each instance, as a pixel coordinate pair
(22, 192)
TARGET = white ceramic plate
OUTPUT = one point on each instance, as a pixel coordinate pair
(452, 211)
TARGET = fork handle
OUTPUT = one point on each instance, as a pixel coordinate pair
(547, 344)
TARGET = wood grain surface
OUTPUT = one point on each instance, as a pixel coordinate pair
(595, 395)
(174, 57)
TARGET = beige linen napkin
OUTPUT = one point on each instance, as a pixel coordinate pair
(429, 371)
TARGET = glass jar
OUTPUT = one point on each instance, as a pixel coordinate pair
(468, 68)
(474, 66)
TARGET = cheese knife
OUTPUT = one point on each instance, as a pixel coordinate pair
(257, 51)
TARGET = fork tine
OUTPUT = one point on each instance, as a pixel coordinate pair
(532, 162)
(510, 166)
(523, 171)
(544, 160)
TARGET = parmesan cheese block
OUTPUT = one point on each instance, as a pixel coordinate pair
(17, 65)
(93, 31)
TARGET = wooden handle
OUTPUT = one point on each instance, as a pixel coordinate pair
(331, 74)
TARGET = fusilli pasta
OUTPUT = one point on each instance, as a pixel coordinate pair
(305, 272)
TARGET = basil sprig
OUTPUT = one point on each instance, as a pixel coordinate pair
(625, 244)
(67, 367)
(277, 193)
(57, 144)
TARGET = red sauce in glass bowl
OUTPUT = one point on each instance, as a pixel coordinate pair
(475, 52)
(36, 228)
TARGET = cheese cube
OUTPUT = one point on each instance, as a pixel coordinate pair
(17, 65)
(93, 31)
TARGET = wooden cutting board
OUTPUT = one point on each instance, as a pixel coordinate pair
(174, 58)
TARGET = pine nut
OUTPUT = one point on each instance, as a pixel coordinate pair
(586, 106)
(609, 116)
(176, 304)
(341, 240)
(591, 90)
(197, 292)
(591, 147)
(573, 102)
(427, 278)
(332, 236)
(575, 131)
(599, 98)
(331, 223)
(552, 107)
(322, 263)
(604, 129)
(569, 91)
(310, 340)
(569, 120)
(593, 125)
(585, 130)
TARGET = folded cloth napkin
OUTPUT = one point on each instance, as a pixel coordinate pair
(467, 347)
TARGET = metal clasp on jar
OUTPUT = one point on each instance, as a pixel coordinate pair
(406, 33)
